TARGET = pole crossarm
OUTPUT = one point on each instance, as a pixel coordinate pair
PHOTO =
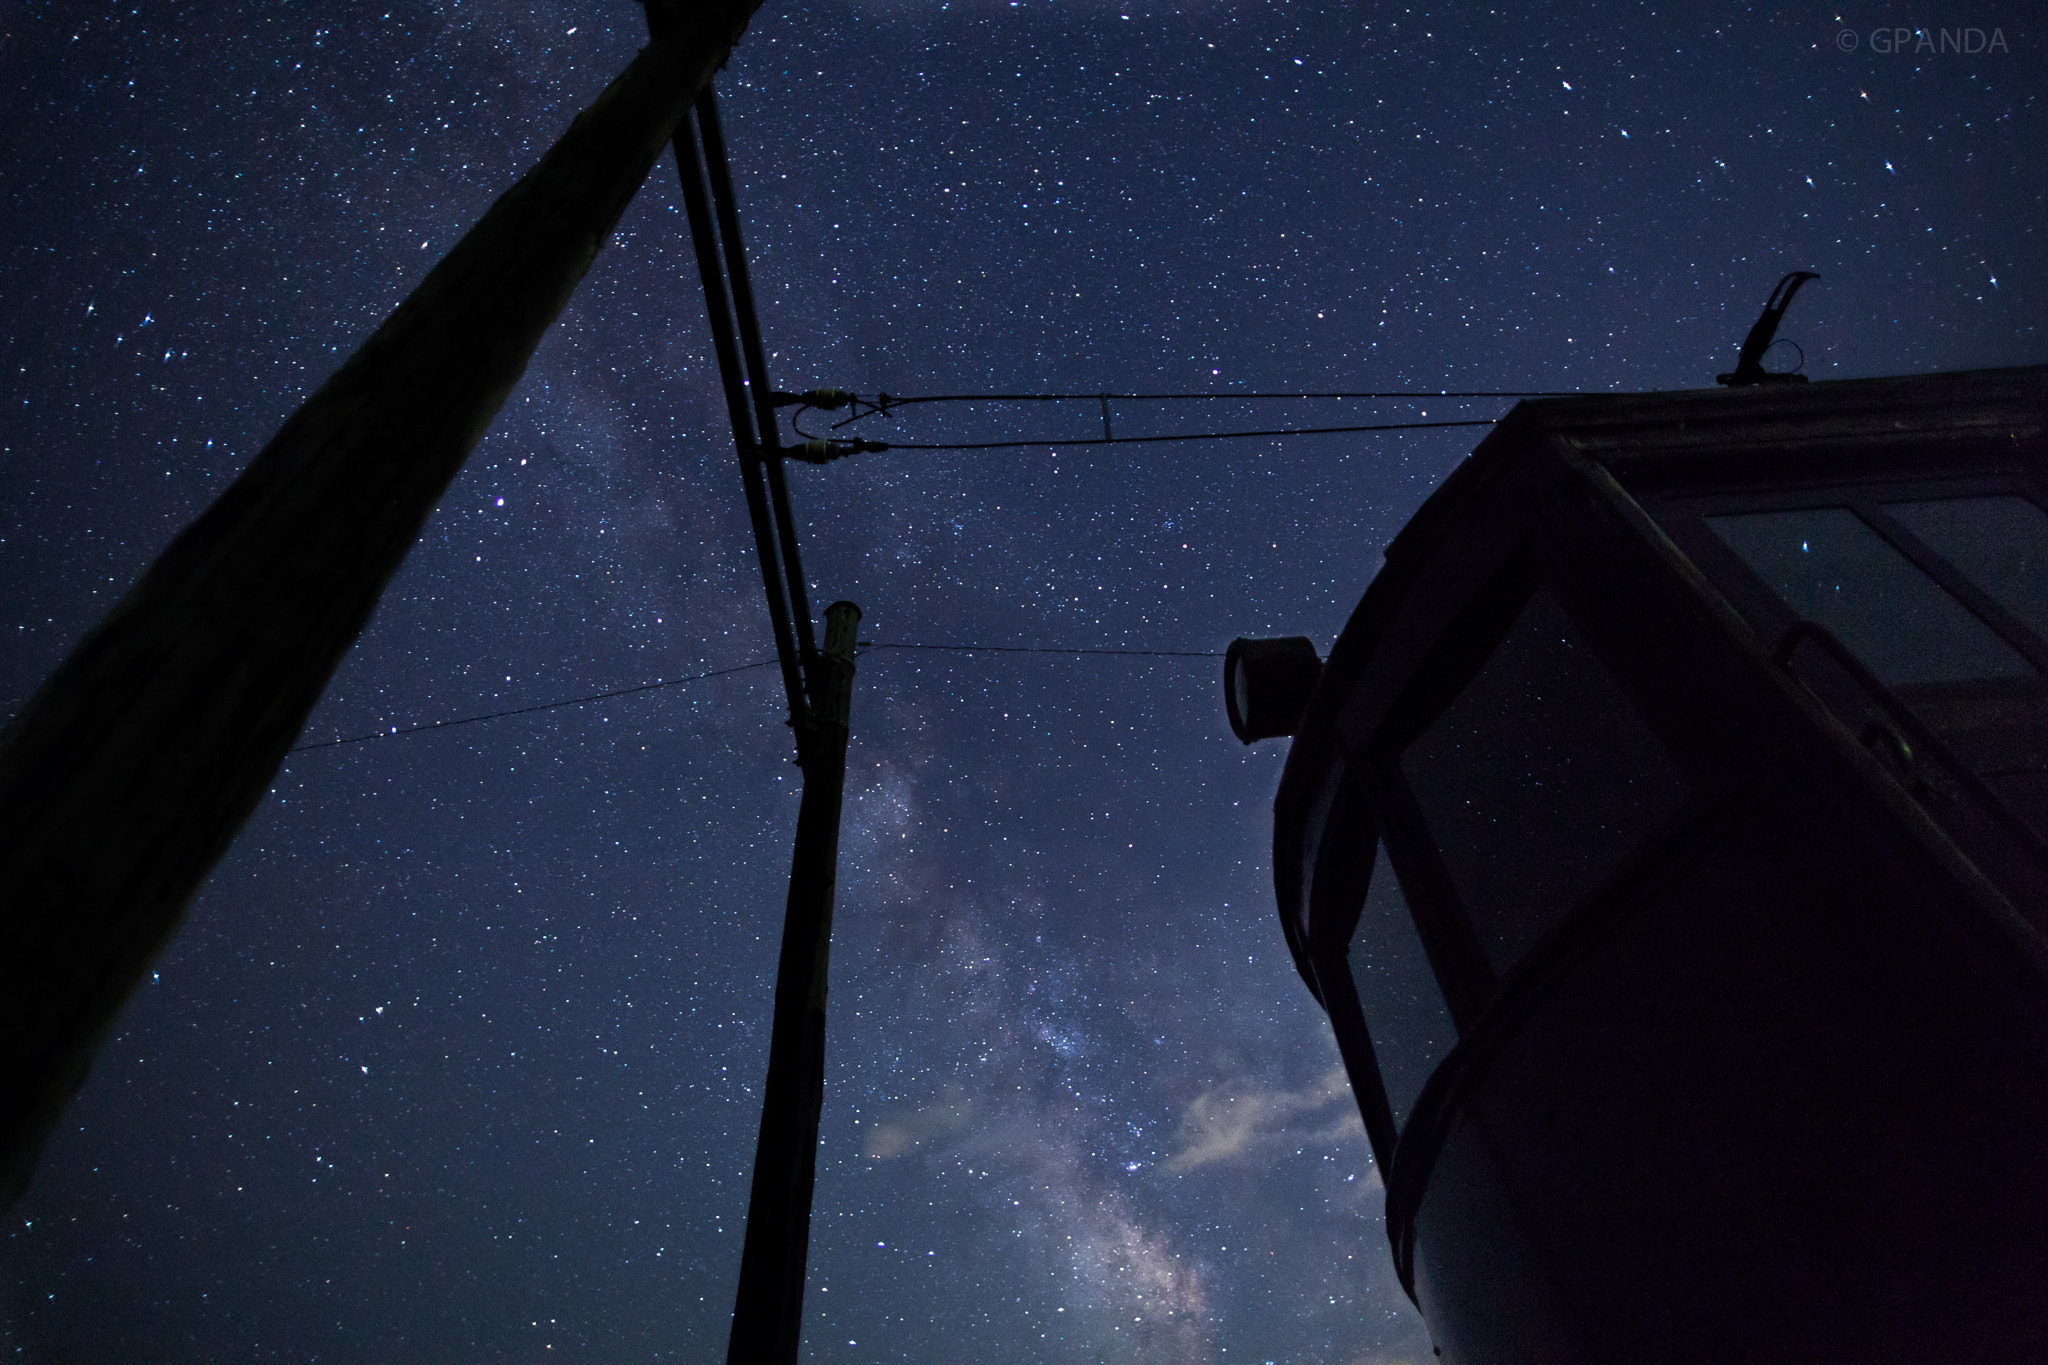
(129, 772)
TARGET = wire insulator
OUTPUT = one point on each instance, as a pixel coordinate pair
(818, 450)
(825, 400)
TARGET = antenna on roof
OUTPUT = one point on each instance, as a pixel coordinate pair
(1749, 366)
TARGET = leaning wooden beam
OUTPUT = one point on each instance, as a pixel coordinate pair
(127, 775)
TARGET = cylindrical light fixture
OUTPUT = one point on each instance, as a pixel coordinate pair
(1266, 685)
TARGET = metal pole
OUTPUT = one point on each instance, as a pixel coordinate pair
(767, 1319)
(747, 437)
(129, 772)
(724, 201)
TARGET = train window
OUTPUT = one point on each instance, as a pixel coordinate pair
(1537, 781)
(1404, 1008)
(1830, 567)
(1999, 543)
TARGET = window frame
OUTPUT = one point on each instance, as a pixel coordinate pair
(1684, 517)
(1469, 980)
(1441, 918)
(1346, 859)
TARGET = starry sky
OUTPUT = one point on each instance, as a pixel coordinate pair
(458, 1055)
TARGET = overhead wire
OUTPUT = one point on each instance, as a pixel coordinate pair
(1046, 649)
(783, 654)
(396, 732)
(885, 403)
(866, 445)
(821, 447)
(866, 646)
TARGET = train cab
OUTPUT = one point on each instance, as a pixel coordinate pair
(1666, 836)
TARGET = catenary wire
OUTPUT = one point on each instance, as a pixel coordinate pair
(1042, 649)
(890, 400)
(1147, 440)
(884, 405)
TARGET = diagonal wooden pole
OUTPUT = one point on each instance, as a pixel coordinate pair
(127, 775)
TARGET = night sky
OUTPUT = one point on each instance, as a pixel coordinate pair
(458, 1055)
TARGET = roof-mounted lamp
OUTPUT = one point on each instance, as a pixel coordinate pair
(1266, 685)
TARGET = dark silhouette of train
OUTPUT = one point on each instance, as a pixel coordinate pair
(1666, 836)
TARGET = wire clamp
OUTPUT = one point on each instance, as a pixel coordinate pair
(825, 400)
(821, 451)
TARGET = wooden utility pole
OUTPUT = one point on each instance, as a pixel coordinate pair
(767, 1321)
(767, 1318)
(128, 774)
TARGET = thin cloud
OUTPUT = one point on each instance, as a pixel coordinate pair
(1240, 1120)
(926, 1129)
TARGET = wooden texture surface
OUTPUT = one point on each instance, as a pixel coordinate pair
(127, 775)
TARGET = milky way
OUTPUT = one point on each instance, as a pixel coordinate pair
(458, 1055)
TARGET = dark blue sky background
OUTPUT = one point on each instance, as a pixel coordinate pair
(458, 1055)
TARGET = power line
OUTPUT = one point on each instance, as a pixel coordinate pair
(1039, 649)
(400, 732)
(397, 732)
(891, 400)
(845, 447)
(828, 399)
(1180, 436)
(822, 449)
